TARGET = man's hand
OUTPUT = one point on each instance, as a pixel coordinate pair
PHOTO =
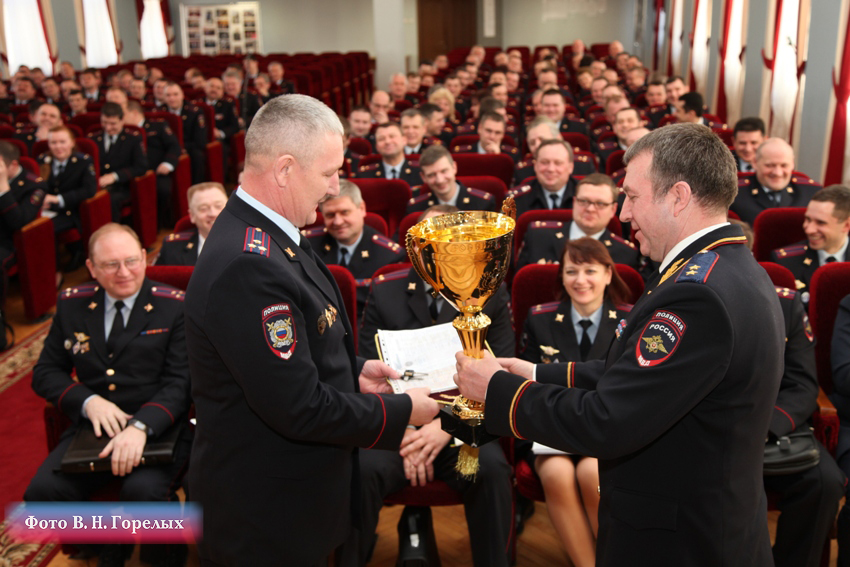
(424, 408)
(48, 201)
(425, 444)
(474, 374)
(104, 414)
(126, 449)
(218, 134)
(373, 378)
(521, 368)
(163, 169)
(418, 474)
(491, 147)
(107, 180)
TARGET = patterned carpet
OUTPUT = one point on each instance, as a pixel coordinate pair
(23, 444)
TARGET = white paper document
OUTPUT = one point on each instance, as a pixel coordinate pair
(430, 352)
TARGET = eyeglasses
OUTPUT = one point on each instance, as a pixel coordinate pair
(597, 204)
(113, 267)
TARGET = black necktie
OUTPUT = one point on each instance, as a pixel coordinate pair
(117, 327)
(830, 260)
(343, 257)
(60, 169)
(776, 196)
(434, 308)
(554, 199)
(584, 345)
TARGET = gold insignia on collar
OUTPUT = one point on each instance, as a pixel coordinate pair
(92, 306)
(466, 200)
(799, 284)
(148, 307)
(559, 318)
(74, 159)
(671, 270)
(607, 243)
(612, 314)
(559, 235)
(755, 191)
(807, 261)
(327, 247)
(364, 253)
(548, 351)
(290, 252)
(407, 170)
(411, 286)
(190, 245)
(790, 190)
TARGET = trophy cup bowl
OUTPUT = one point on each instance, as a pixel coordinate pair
(464, 256)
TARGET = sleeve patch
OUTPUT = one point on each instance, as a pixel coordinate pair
(279, 329)
(659, 339)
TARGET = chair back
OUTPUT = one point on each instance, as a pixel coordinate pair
(488, 183)
(360, 146)
(497, 165)
(377, 222)
(532, 285)
(348, 290)
(386, 197)
(775, 228)
(779, 275)
(577, 140)
(830, 284)
(183, 223)
(175, 276)
(615, 162)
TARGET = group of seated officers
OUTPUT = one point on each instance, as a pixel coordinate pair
(122, 335)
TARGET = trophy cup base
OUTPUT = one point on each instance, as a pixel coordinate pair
(470, 431)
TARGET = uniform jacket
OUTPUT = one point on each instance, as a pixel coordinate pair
(802, 261)
(549, 334)
(226, 118)
(275, 390)
(179, 249)
(534, 197)
(162, 142)
(374, 251)
(544, 243)
(126, 157)
(148, 374)
(283, 87)
(583, 164)
(398, 301)
(752, 199)
(194, 127)
(840, 395)
(20, 205)
(677, 414)
(468, 199)
(75, 184)
(26, 134)
(408, 172)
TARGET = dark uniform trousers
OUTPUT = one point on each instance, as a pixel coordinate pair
(398, 301)
(179, 249)
(163, 147)
(752, 198)
(677, 415)
(275, 385)
(840, 397)
(195, 140)
(126, 158)
(147, 377)
(18, 206)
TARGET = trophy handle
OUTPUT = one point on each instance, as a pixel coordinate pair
(417, 262)
(509, 207)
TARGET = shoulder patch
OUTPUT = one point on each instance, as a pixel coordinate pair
(745, 181)
(659, 339)
(279, 329)
(168, 292)
(803, 179)
(256, 241)
(544, 308)
(413, 163)
(698, 268)
(385, 242)
(790, 251)
(608, 145)
(524, 164)
(462, 149)
(391, 276)
(480, 194)
(179, 236)
(85, 290)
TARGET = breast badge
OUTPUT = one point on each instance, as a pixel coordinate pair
(279, 329)
(82, 345)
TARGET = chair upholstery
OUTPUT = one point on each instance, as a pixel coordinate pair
(183, 224)
(779, 275)
(143, 207)
(615, 162)
(377, 222)
(775, 228)
(386, 197)
(176, 276)
(405, 224)
(577, 140)
(498, 165)
(488, 183)
(89, 147)
(830, 284)
(360, 146)
(36, 266)
(348, 289)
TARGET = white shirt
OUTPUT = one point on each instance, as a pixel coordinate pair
(839, 255)
(576, 232)
(349, 247)
(684, 243)
(559, 193)
(282, 223)
(595, 318)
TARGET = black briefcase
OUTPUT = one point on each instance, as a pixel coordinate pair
(82, 453)
(792, 453)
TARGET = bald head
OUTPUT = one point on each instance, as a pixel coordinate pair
(774, 164)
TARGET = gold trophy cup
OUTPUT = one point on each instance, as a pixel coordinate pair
(464, 256)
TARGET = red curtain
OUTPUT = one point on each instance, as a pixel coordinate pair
(721, 78)
(693, 81)
(838, 139)
(51, 46)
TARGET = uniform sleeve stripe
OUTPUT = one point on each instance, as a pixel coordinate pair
(571, 374)
(383, 425)
(162, 407)
(514, 404)
(786, 414)
(59, 403)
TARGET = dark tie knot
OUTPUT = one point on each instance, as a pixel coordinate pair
(119, 305)
(585, 324)
(830, 260)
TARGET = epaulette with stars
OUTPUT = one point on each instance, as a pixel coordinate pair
(785, 293)
(545, 308)
(545, 224)
(385, 242)
(168, 292)
(509, 150)
(746, 181)
(479, 193)
(621, 240)
(790, 251)
(462, 149)
(520, 191)
(698, 268)
(256, 241)
(179, 236)
(608, 145)
(85, 290)
(601, 130)
(525, 163)
(803, 179)
(432, 141)
(314, 232)
(465, 129)
(391, 276)
(370, 167)
(657, 108)
(416, 190)
(420, 199)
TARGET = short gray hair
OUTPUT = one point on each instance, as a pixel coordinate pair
(539, 121)
(346, 189)
(694, 154)
(289, 124)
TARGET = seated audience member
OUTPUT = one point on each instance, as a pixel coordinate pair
(553, 186)
(154, 75)
(91, 85)
(119, 378)
(195, 77)
(656, 101)
(840, 396)
(625, 120)
(122, 157)
(597, 98)
(21, 196)
(67, 71)
(347, 241)
(414, 82)
(379, 105)
(139, 90)
(389, 142)
(351, 158)
(554, 106)
(578, 327)
(206, 200)
(158, 91)
(52, 92)
(400, 301)
(140, 70)
(674, 87)
(163, 153)
(689, 109)
(70, 179)
(25, 90)
(226, 118)
(436, 128)
(194, 130)
(413, 130)
(538, 130)
(632, 136)
(441, 187)
(447, 102)
(747, 136)
(247, 104)
(263, 85)
(398, 89)
(774, 183)
(635, 83)
(77, 103)
(124, 78)
(361, 121)
(596, 68)
(47, 117)
(826, 224)
(594, 205)
(251, 67)
(279, 85)
(68, 85)
(615, 101)
(491, 131)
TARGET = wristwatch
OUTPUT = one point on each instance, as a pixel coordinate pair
(140, 425)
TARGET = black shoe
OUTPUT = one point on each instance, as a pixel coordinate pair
(524, 510)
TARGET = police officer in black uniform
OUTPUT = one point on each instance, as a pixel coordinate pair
(194, 130)
(441, 187)
(389, 142)
(70, 179)
(206, 201)
(554, 186)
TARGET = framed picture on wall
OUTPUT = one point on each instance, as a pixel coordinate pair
(225, 28)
